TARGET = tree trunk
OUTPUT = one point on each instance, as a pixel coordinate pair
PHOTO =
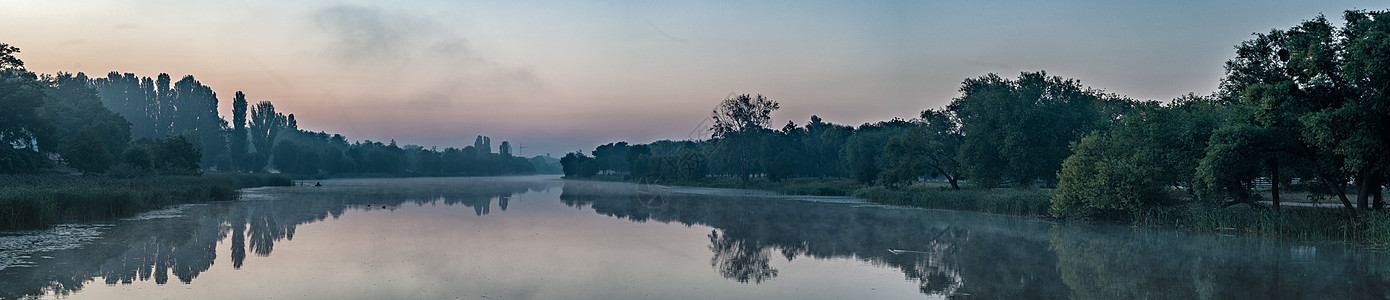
(1372, 188)
(1336, 188)
(1363, 190)
(954, 185)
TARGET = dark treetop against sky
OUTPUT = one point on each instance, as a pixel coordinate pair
(567, 75)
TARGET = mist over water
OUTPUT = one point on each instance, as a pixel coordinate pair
(541, 237)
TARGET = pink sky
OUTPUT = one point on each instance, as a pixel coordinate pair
(569, 75)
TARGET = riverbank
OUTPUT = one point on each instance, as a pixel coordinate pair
(1312, 223)
(39, 201)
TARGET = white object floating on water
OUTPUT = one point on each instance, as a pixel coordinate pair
(897, 251)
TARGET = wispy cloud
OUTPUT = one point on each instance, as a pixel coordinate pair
(434, 63)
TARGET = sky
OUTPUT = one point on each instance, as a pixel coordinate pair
(561, 76)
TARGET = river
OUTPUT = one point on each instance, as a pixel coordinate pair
(541, 237)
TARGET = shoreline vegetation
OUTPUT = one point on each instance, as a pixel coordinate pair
(1304, 223)
(39, 201)
(1300, 111)
(78, 148)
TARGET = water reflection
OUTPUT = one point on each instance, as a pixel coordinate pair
(932, 249)
(750, 242)
(1113, 264)
(968, 255)
(186, 246)
(740, 259)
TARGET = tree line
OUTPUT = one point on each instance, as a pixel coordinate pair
(127, 125)
(1304, 107)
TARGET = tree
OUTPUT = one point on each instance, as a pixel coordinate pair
(1316, 94)
(1018, 131)
(1132, 165)
(87, 153)
(612, 157)
(739, 123)
(194, 113)
(483, 144)
(927, 148)
(505, 149)
(864, 152)
(172, 155)
(1101, 178)
(576, 164)
(163, 111)
(237, 137)
(823, 147)
(71, 105)
(20, 124)
(782, 151)
(265, 125)
(292, 158)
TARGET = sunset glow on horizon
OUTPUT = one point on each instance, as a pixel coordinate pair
(561, 76)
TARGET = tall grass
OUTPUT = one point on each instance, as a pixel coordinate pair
(38, 201)
(1026, 202)
(789, 186)
(1372, 228)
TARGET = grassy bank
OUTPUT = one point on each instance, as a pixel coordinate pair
(790, 186)
(1024, 202)
(1372, 229)
(38, 201)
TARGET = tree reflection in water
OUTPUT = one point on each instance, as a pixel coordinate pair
(974, 255)
(187, 246)
(740, 260)
(952, 254)
(748, 230)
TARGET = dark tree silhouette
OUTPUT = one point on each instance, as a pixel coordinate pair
(237, 138)
(739, 124)
(265, 125)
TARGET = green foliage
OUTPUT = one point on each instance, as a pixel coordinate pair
(1102, 178)
(927, 149)
(265, 125)
(1228, 169)
(1131, 166)
(21, 97)
(864, 151)
(823, 148)
(21, 160)
(72, 106)
(578, 165)
(172, 156)
(780, 152)
(31, 201)
(237, 137)
(739, 153)
(740, 124)
(681, 162)
(612, 157)
(1027, 202)
(1018, 131)
(87, 153)
(1314, 96)
(291, 158)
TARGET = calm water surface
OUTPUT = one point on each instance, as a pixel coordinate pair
(544, 238)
